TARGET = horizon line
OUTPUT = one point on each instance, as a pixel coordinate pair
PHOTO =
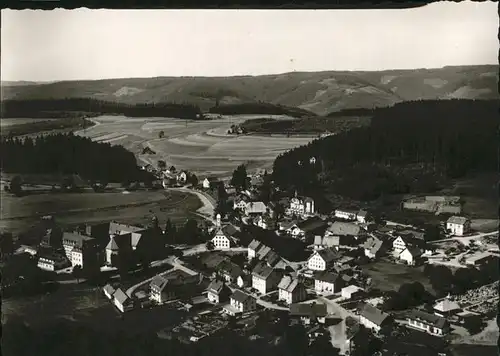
(243, 75)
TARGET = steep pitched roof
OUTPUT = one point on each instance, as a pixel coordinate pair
(158, 282)
(256, 207)
(326, 276)
(413, 250)
(262, 271)
(363, 213)
(108, 288)
(431, 319)
(263, 251)
(120, 296)
(373, 245)
(215, 287)
(230, 268)
(240, 296)
(254, 245)
(373, 314)
(461, 220)
(229, 229)
(272, 258)
(344, 228)
(446, 305)
(76, 238)
(328, 254)
(288, 284)
(117, 228)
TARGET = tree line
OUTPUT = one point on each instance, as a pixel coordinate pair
(407, 148)
(46, 108)
(258, 108)
(68, 154)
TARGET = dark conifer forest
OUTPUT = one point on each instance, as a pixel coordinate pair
(53, 108)
(259, 108)
(68, 154)
(408, 148)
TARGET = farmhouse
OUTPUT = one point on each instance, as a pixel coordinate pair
(324, 242)
(159, 291)
(224, 237)
(265, 278)
(373, 318)
(218, 292)
(429, 323)
(327, 282)
(291, 290)
(118, 244)
(346, 214)
(85, 243)
(122, 301)
(322, 260)
(240, 303)
(410, 255)
(343, 228)
(458, 225)
(479, 259)
(310, 312)
(255, 208)
(240, 202)
(182, 177)
(399, 245)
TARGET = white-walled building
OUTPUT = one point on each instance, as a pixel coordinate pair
(264, 278)
(253, 247)
(458, 225)
(122, 301)
(410, 255)
(321, 260)
(373, 318)
(217, 292)
(327, 283)
(351, 291)
(429, 323)
(240, 303)
(159, 291)
(346, 214)
(301, 206)
(291, 290)
(224, 237)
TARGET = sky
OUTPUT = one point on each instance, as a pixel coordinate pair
(97, 44)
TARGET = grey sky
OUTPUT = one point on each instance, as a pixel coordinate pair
(94, 44)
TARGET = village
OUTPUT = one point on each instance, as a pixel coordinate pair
(281, 262)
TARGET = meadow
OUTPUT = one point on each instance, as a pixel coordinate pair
(203, 147)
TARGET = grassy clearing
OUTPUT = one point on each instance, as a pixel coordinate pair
(388, 276)
(77, 208)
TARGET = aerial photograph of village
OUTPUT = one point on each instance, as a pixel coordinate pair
(251, 182)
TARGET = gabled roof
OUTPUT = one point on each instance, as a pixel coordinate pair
(120, 296)
(262, 271)
(373, 314)
(288, 284)
(263, 251)
(431, 319)
(230, 268)
(373, 245)
(272, 258)
(363, 213)
(446, 305)
(229, 229)
(312, 310)
(312, 224)
(117, 228)
(326, 276)
(327, 254)
(75, 237)
(254, 245)
(461, 220)
(158, 282)
(216, 287)
(349, 211)
(344, 228)
(239, 296)
(413, 250)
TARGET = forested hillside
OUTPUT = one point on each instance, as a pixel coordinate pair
(408, 148)
(68, 154)
(52, 108)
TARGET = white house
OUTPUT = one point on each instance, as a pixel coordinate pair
(301, 206)
(264, 278)
(346, 214)
(321, 260)
(399, 245)
(253, 247)
(158, 290)
(122, 301)
(410, 255)
(458, 225)
(446, 307)
(224, 237)
(291, 290)
(327, 283)
(373, 318)
(373, 247)
(351, 291)
(362, 216)
(429, 323)
(309, 312)
(217, 292)
(182, 177)
(206, 183)
(240, 303)
(52, 262)
(108, 291)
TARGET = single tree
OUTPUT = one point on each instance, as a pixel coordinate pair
(210, 246)
(16, 187)
(193, 180)
(161, 165)
(161, 134)
(77, 273)
(172, 169)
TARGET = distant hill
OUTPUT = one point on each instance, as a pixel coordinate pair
(317, 92)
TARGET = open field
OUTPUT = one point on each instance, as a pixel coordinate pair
(203, 147)
(388, 276)
(77, 208)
